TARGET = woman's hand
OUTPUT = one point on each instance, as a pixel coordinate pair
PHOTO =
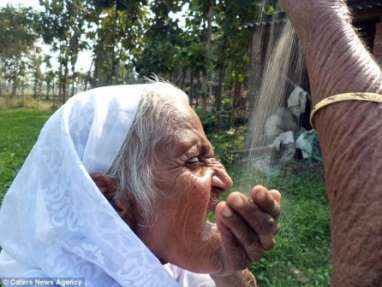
(247, 226)
(243, 278)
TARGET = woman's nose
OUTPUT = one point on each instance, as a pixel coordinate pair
(221, 179)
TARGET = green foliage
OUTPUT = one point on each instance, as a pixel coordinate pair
(227, 145)
(209, 120)
(19, 129)
(118, 39)
(163, 41)
(227, 142)
(61, 25)
(17, 35)
(204, 47)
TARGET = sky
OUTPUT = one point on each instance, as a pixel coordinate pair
(32, 3)
(84, 57)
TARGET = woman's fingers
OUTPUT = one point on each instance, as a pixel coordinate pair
(234, 256)
(276, 195)
(242, 239)
(267, 200)
(248, 225)
(259, 222)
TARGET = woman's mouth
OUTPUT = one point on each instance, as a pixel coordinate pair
(213, 202)
(214, 199)
(210, 230)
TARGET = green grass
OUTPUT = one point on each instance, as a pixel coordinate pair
(19, 130)
(301, 255)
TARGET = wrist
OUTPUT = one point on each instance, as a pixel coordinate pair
(243, 278)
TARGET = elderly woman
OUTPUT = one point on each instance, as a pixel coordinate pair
(116, 192)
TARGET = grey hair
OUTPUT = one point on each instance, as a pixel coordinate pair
(153, 123)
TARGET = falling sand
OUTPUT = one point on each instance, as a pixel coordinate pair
(282, 71)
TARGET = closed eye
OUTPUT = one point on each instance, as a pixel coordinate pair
(194, 161)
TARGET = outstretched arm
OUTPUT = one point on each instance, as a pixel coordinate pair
(350, 135)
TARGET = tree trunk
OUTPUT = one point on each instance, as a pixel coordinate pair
(60, 86)
(198, 91)
(182, 79)
(53, 90)
(87, 80)
(203, 79)
(114, 58)
(219, 91)
(191, 87)
(35, 83)
(74, 74)
(206, 80)
(235, 101)
(14, 85)
(39, 90)
(72, 83)
(65, 80)
(47, 90)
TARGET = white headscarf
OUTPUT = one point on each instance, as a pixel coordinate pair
(54, 222)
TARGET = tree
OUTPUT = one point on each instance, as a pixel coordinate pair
(61, 25)
(202, 15)
(36, 60)
(235, 44)
(49, 77)
(17, 37)
(118, 39)
(162, 42)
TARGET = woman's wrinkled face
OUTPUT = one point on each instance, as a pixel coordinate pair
(188, 180)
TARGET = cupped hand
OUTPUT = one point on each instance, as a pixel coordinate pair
(247, 226)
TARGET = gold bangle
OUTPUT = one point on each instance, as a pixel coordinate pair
(365, 97)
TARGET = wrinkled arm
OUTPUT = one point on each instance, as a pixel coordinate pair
(350, 135)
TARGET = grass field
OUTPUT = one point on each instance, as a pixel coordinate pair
(301, 256)
(19, 129)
